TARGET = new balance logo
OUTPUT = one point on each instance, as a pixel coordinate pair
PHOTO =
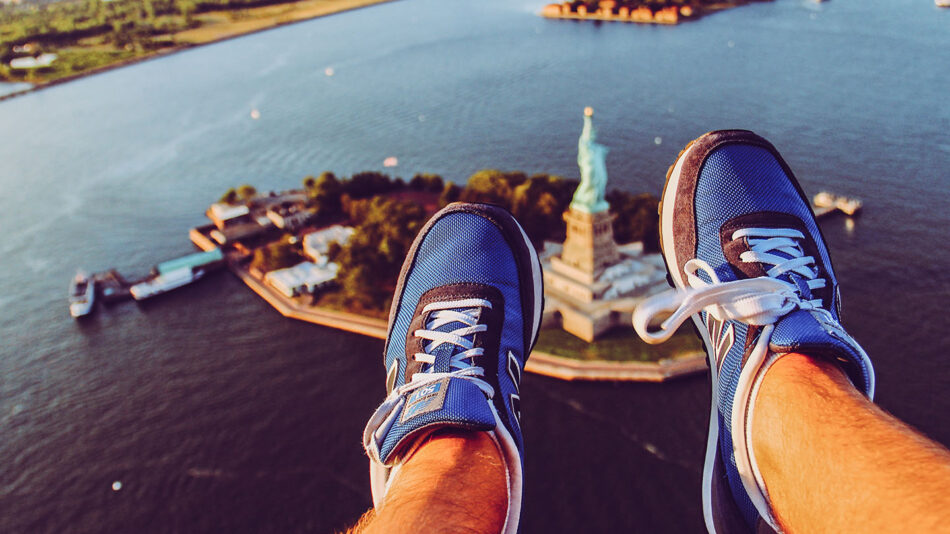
(514, 372)
(428, 398)
(722, 340)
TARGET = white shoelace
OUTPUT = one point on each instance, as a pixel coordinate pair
(758, 301)
(461, 364)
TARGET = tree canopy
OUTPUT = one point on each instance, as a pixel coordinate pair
(385, 226)
(277, 255)
(371, 259)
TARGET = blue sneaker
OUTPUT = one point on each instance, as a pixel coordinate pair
(750, 266)
(465, 316)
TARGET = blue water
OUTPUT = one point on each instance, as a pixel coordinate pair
(217, 414)
(8, 88)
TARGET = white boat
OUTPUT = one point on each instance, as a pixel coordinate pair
(942, 3)
(165, 282)
(82, 295)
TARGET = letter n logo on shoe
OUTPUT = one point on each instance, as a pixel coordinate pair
(514, 372)
(722, 340)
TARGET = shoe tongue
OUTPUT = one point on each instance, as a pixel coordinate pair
(451, 402)
(443, 353)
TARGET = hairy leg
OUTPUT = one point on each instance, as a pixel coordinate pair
(833, 461)
(452, 481)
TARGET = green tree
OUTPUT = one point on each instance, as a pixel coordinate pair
(246, 192)
(325, 196)
(367, 184)
(637, 219)
(277, 255)
(148, 9)
(539, 204)
(450, 194)
(492, 186)
(187, 10)
(431, 183)
(229, 197)
(371, 259)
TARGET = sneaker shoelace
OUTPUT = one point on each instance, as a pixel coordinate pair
(758, 301)
(461, 363)
(467, 312)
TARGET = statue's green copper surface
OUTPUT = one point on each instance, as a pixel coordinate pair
(591, 158)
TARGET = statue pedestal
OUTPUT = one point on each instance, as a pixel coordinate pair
(589, 246)
(571, 281)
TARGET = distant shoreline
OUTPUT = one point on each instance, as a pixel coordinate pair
(664, 15)
(294, 18)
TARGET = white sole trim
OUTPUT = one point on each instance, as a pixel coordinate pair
(712, 440)
(669, 250)
(538, 284)
(742, 404)
(513, 474)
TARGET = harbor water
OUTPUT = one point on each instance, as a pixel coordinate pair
(203, 410)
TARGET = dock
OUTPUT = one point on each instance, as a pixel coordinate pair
(111, 287)
(825, 203)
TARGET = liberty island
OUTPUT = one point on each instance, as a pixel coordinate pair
(292, 249)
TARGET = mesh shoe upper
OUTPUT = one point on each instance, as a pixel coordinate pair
(751, 266)
(464, 318)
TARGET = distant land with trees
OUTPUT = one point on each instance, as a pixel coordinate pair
(90, 35)
(388, 212)
(639, 11)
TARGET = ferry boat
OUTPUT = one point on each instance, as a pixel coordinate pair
(82, 295)
(165, 282)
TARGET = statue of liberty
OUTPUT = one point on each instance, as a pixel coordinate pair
(591, 158)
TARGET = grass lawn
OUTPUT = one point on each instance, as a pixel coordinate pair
(96, 51)
(216, 25)
(619, 345)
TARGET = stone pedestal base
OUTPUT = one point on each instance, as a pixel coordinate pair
(589, 246)
(589, 320)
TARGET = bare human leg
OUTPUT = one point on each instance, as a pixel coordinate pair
(453, 481)
(833, 461)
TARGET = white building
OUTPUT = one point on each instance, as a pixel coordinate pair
(288, 216)
(305, 277)
(43, 60)
(316, 244)
(223, 215)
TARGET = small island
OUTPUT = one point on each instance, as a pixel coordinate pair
(639, 11)
(330, 252)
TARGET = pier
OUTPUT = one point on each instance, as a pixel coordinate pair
(825, 203)
(111, 287)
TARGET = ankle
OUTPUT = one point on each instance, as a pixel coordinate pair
(440, 475)
(449, 444)
(795, 369)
